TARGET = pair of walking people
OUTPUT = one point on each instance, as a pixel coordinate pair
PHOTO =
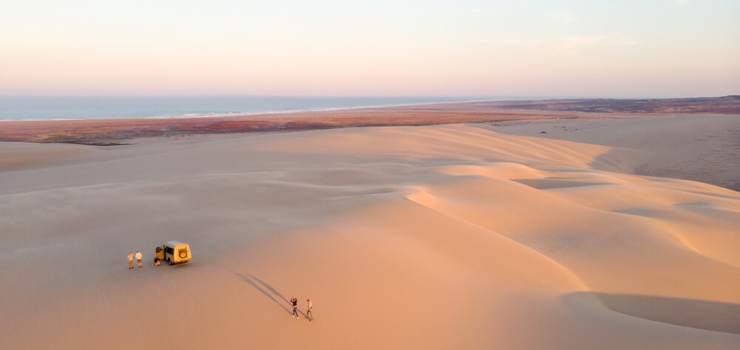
(131, 259)
(309, 314)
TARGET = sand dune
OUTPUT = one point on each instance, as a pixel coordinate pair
(437, 237)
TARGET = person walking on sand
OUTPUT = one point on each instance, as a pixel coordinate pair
(130, 261)
(138, 257)
(309, 314)
(294, 301)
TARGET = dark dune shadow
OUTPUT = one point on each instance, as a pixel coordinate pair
(551, 184)
(639, 212)
(701, 314)
(248, 280)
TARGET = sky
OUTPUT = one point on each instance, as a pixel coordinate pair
(566, 48)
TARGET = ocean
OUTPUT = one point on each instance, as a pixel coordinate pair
(69, 108)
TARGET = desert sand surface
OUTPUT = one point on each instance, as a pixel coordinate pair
(404, 237)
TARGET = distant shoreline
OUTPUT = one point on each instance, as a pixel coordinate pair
(187, 107)
(103, 132)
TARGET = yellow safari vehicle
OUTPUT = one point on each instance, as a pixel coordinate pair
(174, 252)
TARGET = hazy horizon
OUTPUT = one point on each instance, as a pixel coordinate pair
(563, 49)
(457, 98)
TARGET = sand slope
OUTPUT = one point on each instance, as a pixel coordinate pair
(699, 147)
(443, 237)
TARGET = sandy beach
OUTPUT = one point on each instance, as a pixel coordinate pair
(540, 230)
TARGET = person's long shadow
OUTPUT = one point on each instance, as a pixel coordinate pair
(269, 287)
(248, 280)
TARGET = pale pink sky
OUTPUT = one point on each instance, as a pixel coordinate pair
(474, 48)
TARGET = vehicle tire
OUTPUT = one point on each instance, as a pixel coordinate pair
(170, 262)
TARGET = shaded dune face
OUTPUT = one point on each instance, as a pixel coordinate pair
(701, 314)
(439, 237)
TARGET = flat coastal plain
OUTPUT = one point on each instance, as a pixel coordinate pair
(562, 230)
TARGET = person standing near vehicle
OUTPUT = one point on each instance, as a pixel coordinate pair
(130, 261)
(309, 314)
(294, 301)
(138, 257)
